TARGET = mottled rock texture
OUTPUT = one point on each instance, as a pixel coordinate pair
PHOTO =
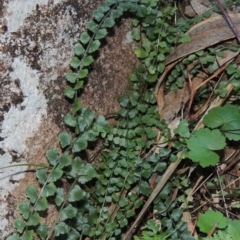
(36, 46)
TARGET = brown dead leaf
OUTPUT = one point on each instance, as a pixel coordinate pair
(198, 7)
(205, 34)
(174, 101)
(228, 55)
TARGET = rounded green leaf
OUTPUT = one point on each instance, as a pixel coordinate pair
(79, 145)
(19, 224)
(75, 62)
(71, 77)
(140, 52)
(42, 231)
(101, 33)
(33, 220)
(136, 34)
(87, 173)
(68, 212)
(42, 175)
(69, 92)
(56, 174)
(94, 46)
(83, 73)
(64, 139)
(185, 39)
(226, 117)
(98, 14)
(65, 160)
(92, 26)
(24, 209)
(28, 235)
(76, 194)
(41, 204)
(84, 38)
(123, 202)
(208, 220)
(32, 193)
(202, 144)
(52, 156)
(183, 129)
(61, 228)
(108, 22)
(49, 190)
(87, 61)
(77, 106)
(110, 226)
(79, 50)
(78, 85)
(59, 198)
(70, 120)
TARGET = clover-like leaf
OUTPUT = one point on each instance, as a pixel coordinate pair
(56, 174)
(85, 119)
(64, 160)
(68, 212)
(52, 156)
(42, 231)
(226, 117)
(87, 173)
(101, 33)
(77, 86)
(184, 39)
(24, 209)
(94, 46)
(116, 13)
(28, 235)
(71, 77)
(49, 190)
(84, 38)
(79, 145)
(101, 125)
(19, 224)
(182, 129)
(34, 219)
(78, 49)
(140, 52)
(135, 34)
(70, 120)
(87, 61)
(76, 194)
(41, 204)
(75, 62)
(64, 139)
(83, 73)
(98, 14)
(202, 144)
(207, 221)
(42, 175)
(61, 228)
(108, 22)
(59, 198)
(69, 92)
(92, 26)
(76, 165)
(32, 193)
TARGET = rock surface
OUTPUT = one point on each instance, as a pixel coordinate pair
(36, 46)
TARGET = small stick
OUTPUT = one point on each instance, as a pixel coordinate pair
(229, 20)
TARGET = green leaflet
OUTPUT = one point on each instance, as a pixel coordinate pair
(227, 118)
(207, 220)
(202, 144)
